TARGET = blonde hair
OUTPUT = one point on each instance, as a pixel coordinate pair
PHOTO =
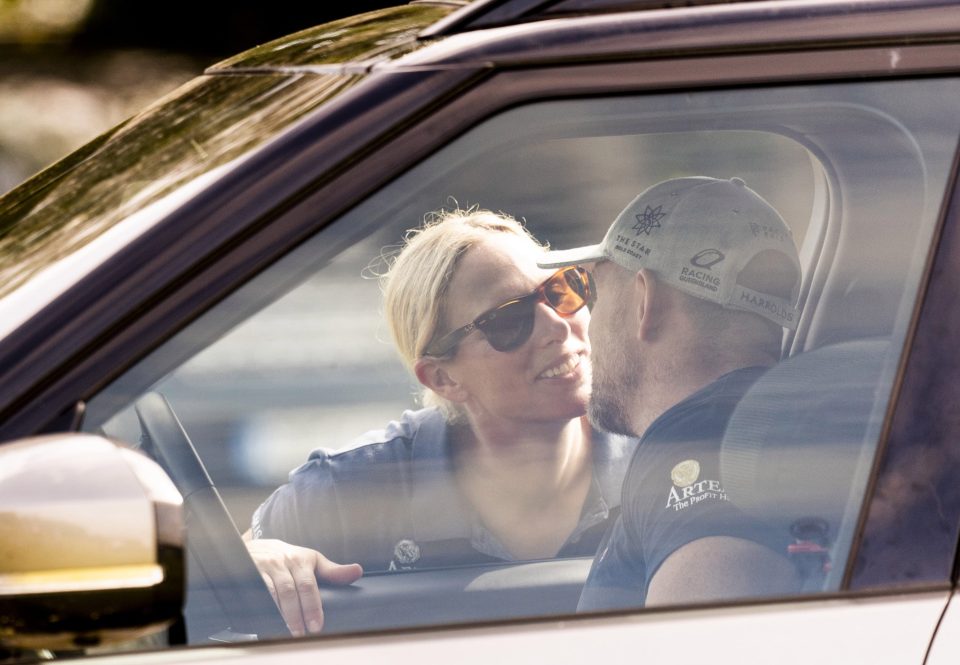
(415, 283)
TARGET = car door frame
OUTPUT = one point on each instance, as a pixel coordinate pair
(211, 263)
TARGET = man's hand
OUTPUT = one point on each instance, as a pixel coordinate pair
(290, 573)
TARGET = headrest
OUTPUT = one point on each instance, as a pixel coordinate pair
(797, 442)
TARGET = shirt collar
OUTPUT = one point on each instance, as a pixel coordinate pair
(611, 455)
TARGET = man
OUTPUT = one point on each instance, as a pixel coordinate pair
(696, 280)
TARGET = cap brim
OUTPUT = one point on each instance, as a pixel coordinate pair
(571, 257)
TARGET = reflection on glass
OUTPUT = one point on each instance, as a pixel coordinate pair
(856, 171)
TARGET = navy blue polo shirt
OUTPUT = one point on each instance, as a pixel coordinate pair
(673, 495)
(392, 502)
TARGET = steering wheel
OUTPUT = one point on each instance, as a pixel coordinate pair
(214, 541)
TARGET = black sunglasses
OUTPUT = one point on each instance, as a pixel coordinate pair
(509, 325)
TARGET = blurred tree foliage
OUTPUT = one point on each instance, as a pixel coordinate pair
(215, 28)
(31, 22)
(70, 69)
(209, 27)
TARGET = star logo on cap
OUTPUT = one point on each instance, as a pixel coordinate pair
(649, 219)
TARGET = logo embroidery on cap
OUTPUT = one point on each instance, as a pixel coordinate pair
(704, 280)
(708, 258)
(649, 219)
(687, 490)
(774, 307)
(634, 248)
(770, 232)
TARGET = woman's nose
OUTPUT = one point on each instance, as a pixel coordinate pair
(549, 325)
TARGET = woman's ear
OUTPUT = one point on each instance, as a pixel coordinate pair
(433, 375)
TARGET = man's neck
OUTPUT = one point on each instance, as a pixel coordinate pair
(668, 387)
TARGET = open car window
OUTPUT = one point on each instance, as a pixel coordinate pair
(301, 359)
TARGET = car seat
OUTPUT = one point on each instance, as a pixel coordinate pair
(798, 449)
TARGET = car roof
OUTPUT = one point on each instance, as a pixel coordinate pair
(482, 14)
(524, 32)
(349, 45)
(702, 29)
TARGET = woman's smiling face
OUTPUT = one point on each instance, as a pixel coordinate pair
(547, 378)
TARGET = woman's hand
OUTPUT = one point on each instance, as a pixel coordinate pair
(291, 573)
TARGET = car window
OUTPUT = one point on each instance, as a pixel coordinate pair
(298, 367)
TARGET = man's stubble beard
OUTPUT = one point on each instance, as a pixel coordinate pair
(616, 381)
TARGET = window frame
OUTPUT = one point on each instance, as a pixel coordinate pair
(227, 261)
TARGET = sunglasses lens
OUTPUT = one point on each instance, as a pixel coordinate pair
(511, 326)
(566, 292)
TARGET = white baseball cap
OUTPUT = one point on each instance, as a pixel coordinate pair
(698, 234)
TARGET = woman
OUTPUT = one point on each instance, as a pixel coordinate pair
(501, 465)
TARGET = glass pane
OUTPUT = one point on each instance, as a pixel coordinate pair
(752, 417)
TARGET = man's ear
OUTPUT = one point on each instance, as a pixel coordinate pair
(647, 298)
(432, 374)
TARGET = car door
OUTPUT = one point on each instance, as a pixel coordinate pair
(857, 155)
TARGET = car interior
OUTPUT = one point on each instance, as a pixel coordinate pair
(299, 358)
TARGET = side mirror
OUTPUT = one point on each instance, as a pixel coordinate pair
(91, 544)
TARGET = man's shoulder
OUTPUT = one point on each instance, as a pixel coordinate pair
(703, 415)
(677, 464)
(676, 475)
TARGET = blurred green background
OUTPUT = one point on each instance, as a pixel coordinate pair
(70, 69)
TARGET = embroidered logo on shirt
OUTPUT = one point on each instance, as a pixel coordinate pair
(405, 553)
(687, 490)
(685, 473)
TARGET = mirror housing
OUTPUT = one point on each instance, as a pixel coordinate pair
(91, 543)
